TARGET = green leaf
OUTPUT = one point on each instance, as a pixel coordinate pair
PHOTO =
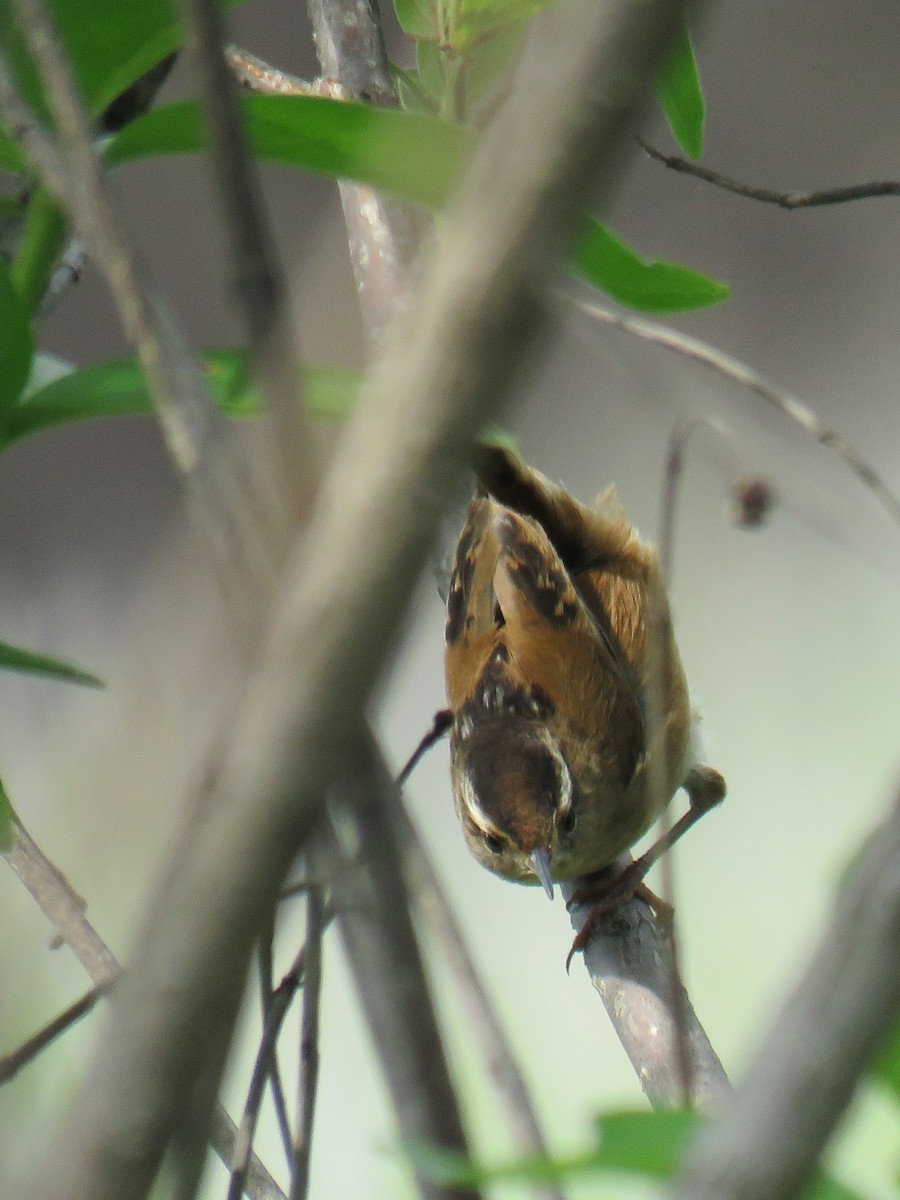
(680, 94)
(478, 20)
(418, 18)
(412, 155)
(430, 67)
(110, 44)
(117, 389)
(415, 157)
(656, 287)
(825, 1187)
(7, 832)
(886, 1067)
(13, 658)
(634, 1143)
(16, 344)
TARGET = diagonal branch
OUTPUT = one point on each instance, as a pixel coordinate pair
(65, 909)
(789, 405)
(769, 1139)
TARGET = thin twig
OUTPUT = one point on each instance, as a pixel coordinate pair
(486, 1028)
(258, 280)
(785, 402)
(308, 1076)
(282, 998)
(65, 910)
(388, 971)
(267, 991)
(770, 1136)
(259, 76)
(12, 1063)
(788, 200)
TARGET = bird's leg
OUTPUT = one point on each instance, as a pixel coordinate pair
(607, 890)
(443, 719)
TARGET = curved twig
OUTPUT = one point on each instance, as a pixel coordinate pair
(785, 402)
(787, 200)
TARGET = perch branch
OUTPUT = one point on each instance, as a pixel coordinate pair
(789, 200)
(770, 1136)
(628, 962)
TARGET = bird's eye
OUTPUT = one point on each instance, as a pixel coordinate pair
(567, 824)
(494, 842)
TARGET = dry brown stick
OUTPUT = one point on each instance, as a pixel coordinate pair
(446, 365)
(770, 1136)
(789, 200)
(11, 1064)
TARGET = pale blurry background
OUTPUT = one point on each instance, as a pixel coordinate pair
(790, 635)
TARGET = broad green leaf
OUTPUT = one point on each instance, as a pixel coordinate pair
(13, 658)
(657, 287)
(680, 94)
(16, 345)
(634, 1143)
(7, 832)
(117, 389)
(418, 18)
(412, 155)
(430, 66)
(415, 157)
(110, 43)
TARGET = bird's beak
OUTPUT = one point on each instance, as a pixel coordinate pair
(540, 864)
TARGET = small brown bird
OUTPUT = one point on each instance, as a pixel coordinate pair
(548, 670)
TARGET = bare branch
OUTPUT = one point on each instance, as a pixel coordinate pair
(308, 1080)
(65, 910)
(259, 76)
(384, 957)
(282, 998)
(382, 234)
(267, 993)
(259, 282)
(11, 1064)
(786, 403)
(628, 961)
(770, 1136)
(788, 200)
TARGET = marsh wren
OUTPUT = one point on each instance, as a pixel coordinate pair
(555, 773)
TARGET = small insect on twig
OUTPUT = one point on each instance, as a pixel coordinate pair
(547, 671)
